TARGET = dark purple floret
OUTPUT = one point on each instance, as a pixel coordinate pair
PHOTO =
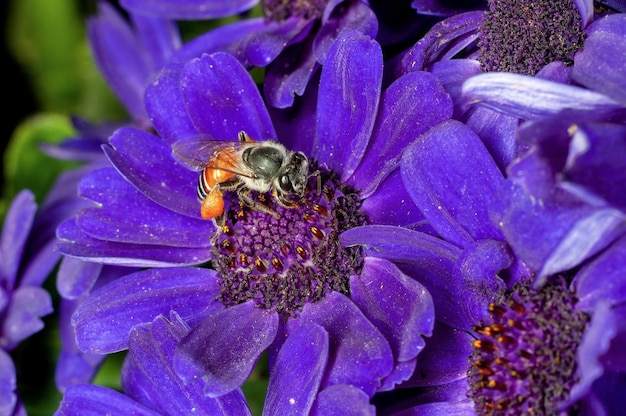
(524, 361)
(523, 37)
(286, 261)
(280, 10)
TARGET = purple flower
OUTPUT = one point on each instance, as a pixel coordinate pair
(292, 39)
(271, 276)
(525, 319)
(26, 261)
(150, 385)
(467, 35)
(129, 55)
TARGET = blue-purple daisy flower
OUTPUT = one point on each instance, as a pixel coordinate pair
(27, 257)
(291, 40)
(271, 274)
(526, 322)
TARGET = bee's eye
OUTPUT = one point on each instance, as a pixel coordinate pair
(285, 183)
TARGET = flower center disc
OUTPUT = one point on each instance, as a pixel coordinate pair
(524, 36)
(285, 261)
(524, 360)
(280, 10)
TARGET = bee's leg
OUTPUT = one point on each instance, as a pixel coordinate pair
(213, 204)
(318, 181)
(245, 198)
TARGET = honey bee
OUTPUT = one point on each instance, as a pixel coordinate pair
(242, 166)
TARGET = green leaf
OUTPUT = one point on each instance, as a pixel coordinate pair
(25, 165)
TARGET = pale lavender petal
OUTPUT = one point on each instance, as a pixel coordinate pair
(104, 320)
(409, 107)
(144, 159)
(73, 242)
(400, 307)
(359, 355)
(453, 180)
(8, 399)
(297, 372)
(209, 351)
(585, 8)
(92, 400)
(188, 9)
(603, 280)
(15, 230)
(222, 99)
(530, 98)
(347, 103)
(344, 400)
(23, 316)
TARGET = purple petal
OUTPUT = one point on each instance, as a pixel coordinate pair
(497, 131)
(600, 65)
(344, 400)
(453, 180)
(159, 37)
(557, 234)
(148, 375)
(8, 399)
(359, 355)
(91, 400)
(166, 107)
(120, 57)
(209, 351)
(188, 9)
(444, 359)
(444, 40)
(409, 107)
(596, 342)
(391, 204)
(254, 42)
(341, 17)
(530, 98)
(104, 320)
(289, 73)
(222, 99)
(125, 215)
(595, 162)
(75, 277)
(15, 231)
(603, 280)
(452, 74)
(73, 242)
(23, 316)
(400, 307)
(430, 260)
(146, 161)
(297, 372)
(73, 366)
(347, 103)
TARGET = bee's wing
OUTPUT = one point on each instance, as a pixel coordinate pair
(201, 153)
